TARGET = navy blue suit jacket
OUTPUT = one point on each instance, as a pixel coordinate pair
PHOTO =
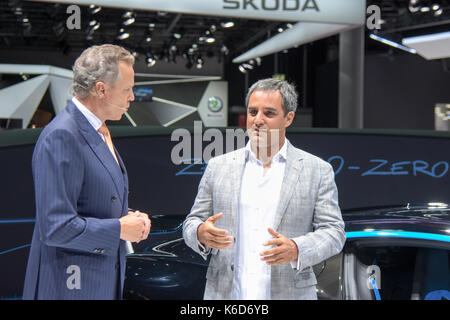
(81, 192)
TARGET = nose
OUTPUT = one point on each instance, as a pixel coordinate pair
(259, 119)
(131, 96)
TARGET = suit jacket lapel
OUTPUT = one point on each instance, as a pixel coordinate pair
(125, 181)
(99, 147)
(236, 172)
(290, 179)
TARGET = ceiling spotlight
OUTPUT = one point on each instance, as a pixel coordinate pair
(151, 60)
(148, 39)
(244, 67)
(151, 25)
(173, 48)
(129, 21)
(210, 40)
(280, 29)
(199, 64)
(413, 6)
(129, 17)
(425, 9)
(435, 7)
(227, 24)
(201, 39)
(438, 12)
(128, 14)
(123, 35)
(213, 28)
(224, 50)
(177, 35)
(94, 9)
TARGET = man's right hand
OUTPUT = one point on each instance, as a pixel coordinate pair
(132, 227)
(213, 237)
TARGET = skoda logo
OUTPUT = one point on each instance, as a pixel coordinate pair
(215, 104)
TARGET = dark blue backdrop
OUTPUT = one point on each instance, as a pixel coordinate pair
(371, 170)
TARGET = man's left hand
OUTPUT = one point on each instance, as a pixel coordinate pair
(284, 252)
(148, 223)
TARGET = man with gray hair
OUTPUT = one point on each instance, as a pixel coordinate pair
(267, 212)
(81, 188)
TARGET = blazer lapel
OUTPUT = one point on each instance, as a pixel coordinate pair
(291, 175)
(99, 147)
(236, 180)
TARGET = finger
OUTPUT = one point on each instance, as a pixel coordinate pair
(215, 217)
(273, 232)
(271, 252)
(218, 245)
(275, 262)
(219, 232)
(273, 242)
(223, 239)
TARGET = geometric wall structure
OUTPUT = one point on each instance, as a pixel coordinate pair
(21, 100)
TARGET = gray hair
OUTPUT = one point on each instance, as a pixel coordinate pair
(287, 90)
(98, 63)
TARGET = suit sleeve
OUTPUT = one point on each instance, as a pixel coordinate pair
(58, 169)
(328, 236)
(200, 212)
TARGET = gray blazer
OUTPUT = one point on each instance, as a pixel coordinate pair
(308, 213)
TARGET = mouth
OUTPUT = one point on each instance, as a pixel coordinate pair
(258, 131)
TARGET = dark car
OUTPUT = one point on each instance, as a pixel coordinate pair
(398, 252)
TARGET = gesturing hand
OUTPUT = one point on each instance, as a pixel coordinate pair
(213, 237)
(284, 252)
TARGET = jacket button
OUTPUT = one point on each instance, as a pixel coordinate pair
(232, 267)
(113, 198)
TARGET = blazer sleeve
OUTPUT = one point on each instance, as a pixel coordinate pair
(328, 236)
(58, 169)
(200, 212)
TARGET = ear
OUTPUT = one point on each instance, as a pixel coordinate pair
(100, 89)
(289, 118)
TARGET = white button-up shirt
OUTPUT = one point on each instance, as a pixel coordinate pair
(95, 122)
(259, 197)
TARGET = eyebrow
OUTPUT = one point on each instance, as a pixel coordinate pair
(265, 109)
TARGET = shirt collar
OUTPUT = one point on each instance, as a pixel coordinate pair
(95, 122)
(280, 156)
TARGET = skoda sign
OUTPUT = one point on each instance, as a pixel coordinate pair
(215, 104)
(327, 11)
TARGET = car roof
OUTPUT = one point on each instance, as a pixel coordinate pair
(431, 218)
